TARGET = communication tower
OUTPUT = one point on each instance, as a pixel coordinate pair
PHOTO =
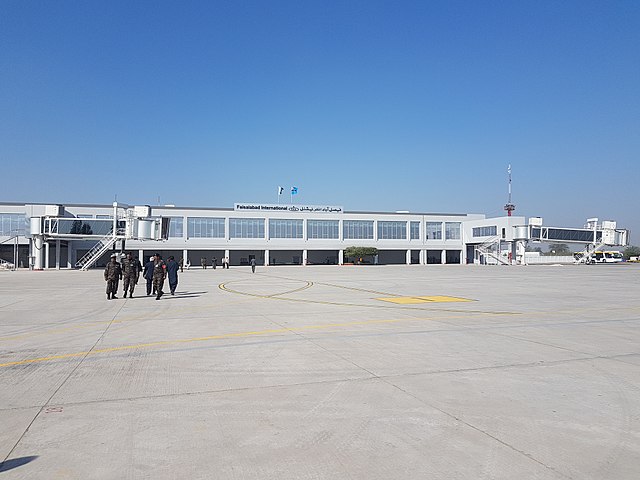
(509, 207)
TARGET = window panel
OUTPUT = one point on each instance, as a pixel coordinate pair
(285, 228)
(323, 229)
(176, 227)
(433, 231)
(357, 229)
(452, 230)
(392, 230)
(204, 227)
(12, 224)
(246, 228)
(415, 230)
(489, 231)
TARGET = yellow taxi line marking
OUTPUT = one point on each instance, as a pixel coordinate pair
(423, 299)
(216, 337)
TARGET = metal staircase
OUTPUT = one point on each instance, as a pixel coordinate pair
(584, 257)
(488, 251)
(4, 265)
(96, 252)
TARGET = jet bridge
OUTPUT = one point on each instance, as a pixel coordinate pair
(594, 236)
(126, 223)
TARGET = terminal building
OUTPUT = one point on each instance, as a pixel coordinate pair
(43, 236)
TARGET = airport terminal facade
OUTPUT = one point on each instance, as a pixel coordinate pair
(272, 234)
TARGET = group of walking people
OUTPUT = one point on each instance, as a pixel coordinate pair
(214, 262)
(155, 272)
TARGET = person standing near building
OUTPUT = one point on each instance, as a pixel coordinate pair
(130, 274)
(112, 273)
(139, 268)
(148, 274)
(159, 274)
(203, 263)
(214, 262)
(172, 274)
(252, 262)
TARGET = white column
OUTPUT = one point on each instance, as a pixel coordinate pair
(423, 257)
(185, 257)
(340, 257)
(226, 254)
(141, 256)
(304, 257)
(57, 254)
(38, 246)
(443, 257)
(408, 257)
(266, 258)
(70, 254)
(46, 255)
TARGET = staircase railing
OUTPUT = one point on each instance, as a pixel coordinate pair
(585, 255)
(486, 249)
(99, 249)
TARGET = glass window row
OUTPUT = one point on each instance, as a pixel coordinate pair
(207, 227)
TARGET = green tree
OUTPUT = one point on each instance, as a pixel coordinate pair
(560, 249)
(359, 253)
(631, 251)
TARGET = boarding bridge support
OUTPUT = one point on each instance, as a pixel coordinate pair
(594, 235)
(127, 223)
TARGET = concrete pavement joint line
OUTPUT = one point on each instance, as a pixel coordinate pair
(211, 337)
(612, 358)
(54, 331)
(477, 429)
(58, 389)
(320, 382)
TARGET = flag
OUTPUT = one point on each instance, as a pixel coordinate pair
(280, 190)
(294, 190)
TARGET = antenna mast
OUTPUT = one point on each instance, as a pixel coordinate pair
(509, 207)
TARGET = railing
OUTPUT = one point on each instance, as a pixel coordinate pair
(585, 255)
(486, 250)
(4, 265)
(98, 250)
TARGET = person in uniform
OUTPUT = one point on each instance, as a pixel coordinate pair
(159, 274)
(147, 273)
(130, 273)
(172, 274)
(252, 262)
(112, 273)
(203, 263)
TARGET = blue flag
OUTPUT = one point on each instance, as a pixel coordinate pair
(294, 190)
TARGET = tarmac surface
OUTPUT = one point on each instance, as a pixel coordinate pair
(324, 372)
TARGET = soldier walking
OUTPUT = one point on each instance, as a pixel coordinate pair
(130, 273)
(159, 274)
(172, 274)
(148, 274)
(112, 273)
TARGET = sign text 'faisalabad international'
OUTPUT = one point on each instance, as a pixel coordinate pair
(262, 207)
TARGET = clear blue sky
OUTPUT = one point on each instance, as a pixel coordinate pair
(372, 105)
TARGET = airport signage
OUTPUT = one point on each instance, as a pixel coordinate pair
(270, 207)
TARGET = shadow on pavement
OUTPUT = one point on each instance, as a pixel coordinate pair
(16, 462)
